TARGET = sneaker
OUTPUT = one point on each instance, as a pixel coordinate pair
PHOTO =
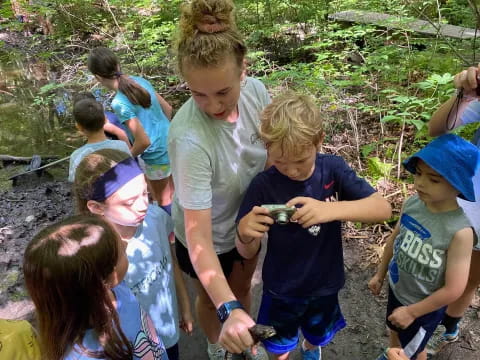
(314, 354)
(261, 354)
(215, 351)
(440, 338)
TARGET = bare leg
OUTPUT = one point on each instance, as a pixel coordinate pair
(394, 340)
(240, 281)
(284, 356)
(162, 190)
(422, 355)
(308, 345)
(458, 308)
(206, 314)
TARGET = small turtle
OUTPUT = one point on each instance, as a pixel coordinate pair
(259, 333)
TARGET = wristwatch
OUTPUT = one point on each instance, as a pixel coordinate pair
(226, 308)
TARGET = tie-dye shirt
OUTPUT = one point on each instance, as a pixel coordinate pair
(136, 325)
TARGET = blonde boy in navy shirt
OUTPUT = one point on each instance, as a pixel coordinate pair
(303, 268)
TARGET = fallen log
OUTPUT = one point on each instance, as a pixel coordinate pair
(14, 177)
(8, 159)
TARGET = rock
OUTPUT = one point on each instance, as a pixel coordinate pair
(29, 218)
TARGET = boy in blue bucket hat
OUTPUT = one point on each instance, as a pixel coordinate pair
(428, 254)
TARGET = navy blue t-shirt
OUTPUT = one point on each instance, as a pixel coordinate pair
(305, 262)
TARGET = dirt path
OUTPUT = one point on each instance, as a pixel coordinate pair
(24, 210)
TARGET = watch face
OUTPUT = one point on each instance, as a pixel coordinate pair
(222, 313)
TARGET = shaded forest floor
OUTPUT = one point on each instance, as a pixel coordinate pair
(36, 202)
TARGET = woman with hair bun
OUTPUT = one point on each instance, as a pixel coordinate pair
(215, 152)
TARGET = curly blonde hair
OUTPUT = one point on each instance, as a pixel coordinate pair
(291, 121)
(207, 35)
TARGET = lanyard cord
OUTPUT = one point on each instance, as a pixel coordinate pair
(455, 106)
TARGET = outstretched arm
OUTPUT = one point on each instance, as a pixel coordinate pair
(373, 208)
(115, 130)
(198, 226)
(456, 277)
(166, 107)
(375, 284)
(447, 116)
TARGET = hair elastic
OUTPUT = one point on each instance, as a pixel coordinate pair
(118, 74)
(115, 178)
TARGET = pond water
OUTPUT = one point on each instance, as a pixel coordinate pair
(32, 120)
(35, 115)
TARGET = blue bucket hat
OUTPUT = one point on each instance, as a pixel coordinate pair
(453, 158)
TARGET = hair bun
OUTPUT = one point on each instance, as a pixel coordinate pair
(211, 16)
(210, 24)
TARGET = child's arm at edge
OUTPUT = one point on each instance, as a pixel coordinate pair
(119, 133)
(456, 277)
(375, 284)
(446, 117)
(373, 208)
(166, 107)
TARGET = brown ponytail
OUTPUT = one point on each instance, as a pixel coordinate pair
(103, 62)
(208, 34)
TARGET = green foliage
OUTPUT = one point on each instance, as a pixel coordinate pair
(397, 77)
(378, 168)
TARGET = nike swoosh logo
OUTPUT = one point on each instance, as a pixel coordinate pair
(329, 185)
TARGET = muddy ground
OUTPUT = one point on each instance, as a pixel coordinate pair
(27, 208)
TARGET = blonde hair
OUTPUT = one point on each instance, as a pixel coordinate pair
(291, 121)
(208, 34)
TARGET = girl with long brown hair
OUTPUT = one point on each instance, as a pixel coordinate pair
(215, 153)
(146, 116)
(73, 272)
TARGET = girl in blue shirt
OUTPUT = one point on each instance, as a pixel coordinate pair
(146, 116)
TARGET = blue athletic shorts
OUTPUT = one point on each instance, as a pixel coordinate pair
(414, 338)
(319, 318)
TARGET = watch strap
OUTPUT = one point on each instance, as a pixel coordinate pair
(226, 308)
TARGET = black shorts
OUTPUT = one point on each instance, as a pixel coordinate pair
(415, 337)
(226, 260)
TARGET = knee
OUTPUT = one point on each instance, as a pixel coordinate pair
(283, 356)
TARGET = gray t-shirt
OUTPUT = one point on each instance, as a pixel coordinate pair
(78, 155)
(419, 261)
(213, 162)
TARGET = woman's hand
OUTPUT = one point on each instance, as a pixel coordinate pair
(235, 337)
